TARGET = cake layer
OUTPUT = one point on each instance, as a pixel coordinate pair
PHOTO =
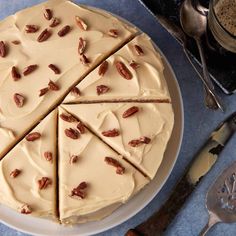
(45, 51)
(93, 179)
(138, 131)
(135, 72)
(28, 172)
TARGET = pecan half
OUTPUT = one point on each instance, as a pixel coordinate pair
(141, 140)
(113, 33)
(82, 46)
(31, 29)
(16, 42)
(33, 136)
(19, 99)
(54, 22)
(72, 133)
(52, 86)
(113, 162)
(68, 117)
(44, 36)
(54, 68)
(80, 190)
(75, 92)
(123, 70)
(129, 112)
(103, 68)
(15, 74)
(81, 127)
(82, 25)
(73, 159)
(15, 173)
(29, 69)
(48, 156)
(25, 209)
(84, 60)
(101, 89)
(111, 133)
(43, 91)
(134, 65)
(138, 50)
(3, 50)
(48, 14)
(44, 182)
(64, 31)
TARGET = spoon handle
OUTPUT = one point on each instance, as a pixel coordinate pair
(213, 219)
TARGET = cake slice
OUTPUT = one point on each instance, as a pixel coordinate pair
(93, 179)
(28, 172)
(135, 72)
(138, 131)
(45, 51)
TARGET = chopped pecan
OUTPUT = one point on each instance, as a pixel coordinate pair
(19, 99)
(103, 68)
(3, 50)
(82, 25)
(111, 133)
(138, 50)
(123, 70)
(52, 86)
(44, 35)
(141, 140)
(101, 89)
(54, 22)
(15, 173)
(29, 69)
(134, 65)
(113, 33)
(64, 31)
(68, 117)
(54, 68)
(31, 28)
(72, 133)
(15, 74)
(48, 14)
(33, 136)
(129, 112)
(48, 156)
(113, 162)
(84, 60)
(81, 127)
(43, 91)
(44, 182)
(80, 190)
(145, 139)
(75, 92)
(82, 46)
(25, 209)
(73, 159)
(16, 42)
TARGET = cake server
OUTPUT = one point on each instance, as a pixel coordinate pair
(198, 168)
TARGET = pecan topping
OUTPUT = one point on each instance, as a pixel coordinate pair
(81, 127)
(82, 46)
(120, 170)
(44, 35)
(130, 112)
(68, 117)
(72, 133)
(29, 69)
(48, 156)
(43, 91)
(75, 92)
(48, 14)
(113, 33)
(15, 173)
(25, 209)
(19, 99)
(54, 22)
(55, 69)
(111, 133)
(103, 68)
(101, 89)
(33, 136)
(80, 190)
(138, 50)
(31, 28)
(123, 70)
(84, 60)
(44, 182)
(16, 42)
(64, 31)
(73, 159)
(82, 25)
(52, 86)
(3, 50)
(134, 65)
(141, 140)
(15, 74)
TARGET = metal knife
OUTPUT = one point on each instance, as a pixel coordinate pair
(198, 168)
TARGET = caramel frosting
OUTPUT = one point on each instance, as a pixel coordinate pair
(153, 121)
(59, 46)
(145, 67)
(25, 165)
(82, 159)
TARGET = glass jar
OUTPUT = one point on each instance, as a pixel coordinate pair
(222, 23)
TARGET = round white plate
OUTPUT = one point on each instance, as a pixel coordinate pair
(36, 226)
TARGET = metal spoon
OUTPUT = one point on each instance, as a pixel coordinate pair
(193, 23)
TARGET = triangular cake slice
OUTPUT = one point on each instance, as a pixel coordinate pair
(28, 172)
(45, 51)
(93, 179)
(139, 131)
(135, 72)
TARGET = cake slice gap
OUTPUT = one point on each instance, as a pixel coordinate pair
(93, 179)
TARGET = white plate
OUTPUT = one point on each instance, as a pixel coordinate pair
(38, 226)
